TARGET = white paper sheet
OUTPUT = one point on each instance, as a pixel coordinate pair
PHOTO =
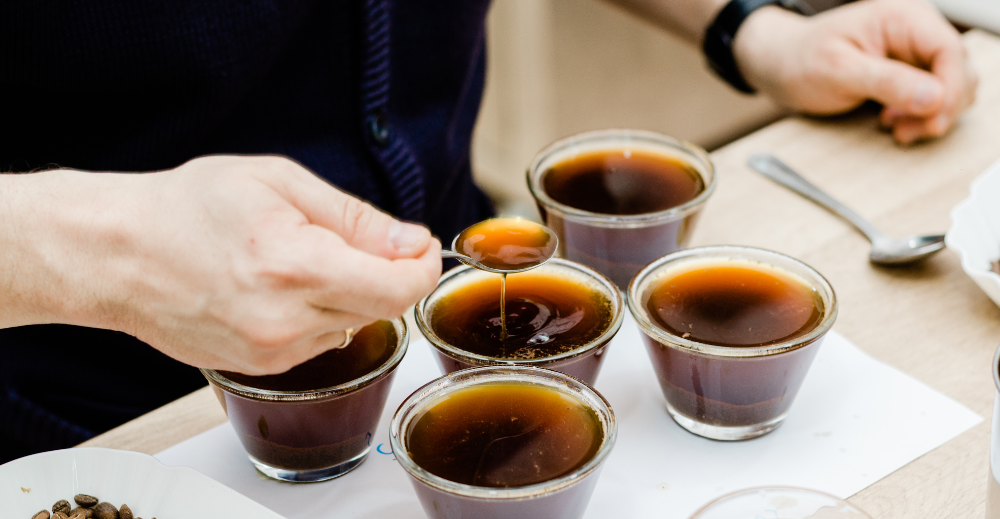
(855, 421)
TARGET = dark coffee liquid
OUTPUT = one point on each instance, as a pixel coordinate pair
(620, 182)
(735, 304)
(623, 182)
(371, 347)
(546, 314)
(507, 243)
(504, 435)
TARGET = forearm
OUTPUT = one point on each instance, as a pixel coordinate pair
(685, 18)
(50, 269)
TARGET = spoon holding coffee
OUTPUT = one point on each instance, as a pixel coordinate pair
(504, 245)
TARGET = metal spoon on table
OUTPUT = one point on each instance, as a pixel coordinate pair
(885, 250)
(511, 233)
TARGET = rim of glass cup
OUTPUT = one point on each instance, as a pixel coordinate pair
(996, 369)
(617, 138)
(402, 341)
(456, 380)
(736, 493)
(611, 290)
(763, 256)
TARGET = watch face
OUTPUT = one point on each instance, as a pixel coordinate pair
(811, 7)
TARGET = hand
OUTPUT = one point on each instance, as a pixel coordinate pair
(249, 264)
(901, 53)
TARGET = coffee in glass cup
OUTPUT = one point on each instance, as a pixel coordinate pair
(315, 421)
(731, 333)
(503, 442)
(559, 316)
(618, 199)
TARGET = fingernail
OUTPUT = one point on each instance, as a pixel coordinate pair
(926, 95)
(406, 235)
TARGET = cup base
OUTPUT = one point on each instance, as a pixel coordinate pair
(723, 433)
(310, 476)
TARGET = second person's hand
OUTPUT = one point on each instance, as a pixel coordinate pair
(901, 53)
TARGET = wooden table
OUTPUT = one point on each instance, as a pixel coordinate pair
(930, 321)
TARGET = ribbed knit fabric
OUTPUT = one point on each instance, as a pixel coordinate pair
(405, 174)
(377, 96)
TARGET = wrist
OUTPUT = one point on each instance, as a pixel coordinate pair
(65, 240)
(756, 46)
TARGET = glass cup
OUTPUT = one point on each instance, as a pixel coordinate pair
(565, 497)
(619, 245)
(780, 502)
(583, 363)
(993, 487)
(729, 393)
(309, 435)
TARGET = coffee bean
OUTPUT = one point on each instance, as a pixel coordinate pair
(61, 506)
(59, 515)
(44, 514)
(85, 501)
(125, 512)
(81, 513)
(105, 511)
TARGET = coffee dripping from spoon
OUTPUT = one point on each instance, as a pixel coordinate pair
(504, 246)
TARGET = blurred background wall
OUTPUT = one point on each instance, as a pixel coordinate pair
(558, 67)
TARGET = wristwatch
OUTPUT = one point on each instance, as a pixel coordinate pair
(718, 43)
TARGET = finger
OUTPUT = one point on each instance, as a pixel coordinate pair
(358, 223)
(329, 321)
(909, 130)
(277, 345)
(917, 33)
(332, 341)
(895, 84)
(352, 280)
(889, 116)
(335, 339)
(386, 288)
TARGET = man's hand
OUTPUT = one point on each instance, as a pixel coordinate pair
(250, 264)
(901, 53)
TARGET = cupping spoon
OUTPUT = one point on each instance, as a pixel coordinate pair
(885, 250)
(504, 245)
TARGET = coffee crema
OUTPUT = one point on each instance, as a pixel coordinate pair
(734, 303)
(371, 347)
(623, 182)
(546, 314)
(507, 243)
(504, 435)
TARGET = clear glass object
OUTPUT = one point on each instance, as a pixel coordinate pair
(583, 363)
(779, 503)
(729, 393)
(565, 497)
(993, 485)
(308, 436)
(618, 246)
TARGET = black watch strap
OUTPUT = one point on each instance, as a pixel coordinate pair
(718, 44)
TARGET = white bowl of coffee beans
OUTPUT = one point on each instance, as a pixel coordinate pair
(94, 483)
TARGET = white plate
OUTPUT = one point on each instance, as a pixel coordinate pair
(150, 488)
(975, 231)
